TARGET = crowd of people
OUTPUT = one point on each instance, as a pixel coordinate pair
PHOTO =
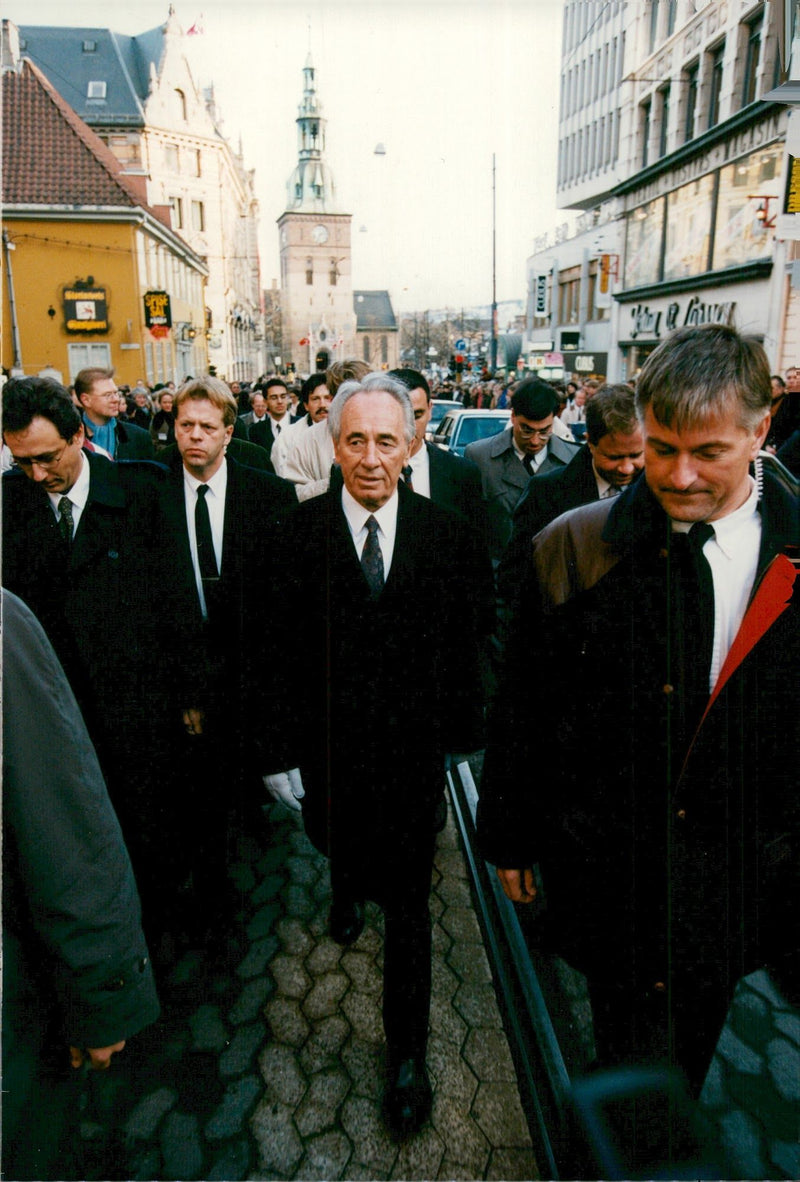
(610, 662)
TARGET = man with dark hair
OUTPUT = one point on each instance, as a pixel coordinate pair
(267, 431)
(101, 401)
(508, 460)
(83, 547)
(390, 691)
(315, 398)
(447, 479)
(667, 829)
(610, 461)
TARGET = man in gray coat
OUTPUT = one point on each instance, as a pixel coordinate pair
(526, 448)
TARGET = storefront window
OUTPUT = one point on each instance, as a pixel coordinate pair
(689, 229)
(743, 208)
(643, 250)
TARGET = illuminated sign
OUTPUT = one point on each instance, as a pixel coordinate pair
(157, 312)
(85, 309)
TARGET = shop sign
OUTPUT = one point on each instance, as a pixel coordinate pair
(650, 324)
(157, 312)
(85, 309)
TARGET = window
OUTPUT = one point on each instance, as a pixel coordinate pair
(384, 351)
(690, 77)
(96, 90)
(309, 271)
(366, 349)
(89, 47)
(750, 84)
(716, 85)
(198, 215)
(334, 274)
(643, 246)
(646, 118)
(689, 229)
(739, 235)
(672, 6)
(176, 205)
(663, 131)
(84, 356)
(171, 158)
(653, 24)
(198, 162)
(180, 104)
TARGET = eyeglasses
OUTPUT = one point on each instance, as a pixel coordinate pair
(528, 432)
(48, 461)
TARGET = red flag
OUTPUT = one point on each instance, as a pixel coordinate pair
(196, 28)
(303, 341)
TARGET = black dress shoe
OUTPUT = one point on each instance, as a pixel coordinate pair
(346, 922)
(407, 1103)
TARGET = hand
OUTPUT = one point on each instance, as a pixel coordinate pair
(193, 721)
(518, 884)
(287, 788)
(99, 1057)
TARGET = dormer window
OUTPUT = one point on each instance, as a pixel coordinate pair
(90, 47)
(96, 90)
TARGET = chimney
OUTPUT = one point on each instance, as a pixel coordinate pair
(9, 55)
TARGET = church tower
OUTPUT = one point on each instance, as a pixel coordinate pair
(319, 324)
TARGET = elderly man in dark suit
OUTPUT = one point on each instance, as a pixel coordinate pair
(220, 517)
(83, 546)
(100, 400)
(611, 459)
(390, 690)
(526, 448)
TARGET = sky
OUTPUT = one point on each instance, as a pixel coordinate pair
(446, 86)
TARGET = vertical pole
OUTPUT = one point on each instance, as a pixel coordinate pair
(12, 306)
(493, 354)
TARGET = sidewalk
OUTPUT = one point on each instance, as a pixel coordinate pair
(273, 1068)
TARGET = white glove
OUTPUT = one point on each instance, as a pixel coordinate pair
(287, 788)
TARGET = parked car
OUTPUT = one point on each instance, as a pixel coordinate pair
(439, 408)
(461, 427)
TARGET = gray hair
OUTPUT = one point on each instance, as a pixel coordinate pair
(373, 383)
(700, 372)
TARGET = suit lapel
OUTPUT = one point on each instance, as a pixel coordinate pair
(97, 526)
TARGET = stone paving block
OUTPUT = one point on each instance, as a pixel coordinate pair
(451, 1171)
(231, 1115)
(498, 1111)
(181, 1147)
(470, 962)
(478, 1005)
(444, 982)
(783, 1064)
(290, 976)
(363, 1012)
(372, 1145)
(144, 1119)
(209, 1032)
(326, 994)
(324, 958)
(286, 1021)
(262, 922)
(455, 892)
(251, 1000)
(461, 923)
(761, 982)
(742, 1141)
(242, 876)
(283, 1079)
(785, 1155)
(447, 1023)
(451, 1073)
(460, 1133)
(441, 942)
(488, 1055)
(358, 1173)
(295, 937)
(279, 1147)
(302, 870)
(450, 863)
(267, 891)
(232, 1163)
(145, 1166)
(364, 1062)
(512, 1165)
(788, 1024)
(737, 1053)
(420, 1156)
(326, 1157)
(274, 859)
(323, 1047)
(362, 971)
(244, 1047)
(257, 957)
(319, 1107)
(436, 906)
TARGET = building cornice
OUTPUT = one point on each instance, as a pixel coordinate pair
(760, 269)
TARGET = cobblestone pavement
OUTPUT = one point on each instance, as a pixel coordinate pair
(272, 1066)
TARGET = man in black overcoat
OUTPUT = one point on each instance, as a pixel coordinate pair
(386, 666)
(667, 826)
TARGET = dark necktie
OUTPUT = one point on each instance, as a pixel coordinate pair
(528, 462)
(66, 522)
(407, 474)
(696, 597)
(372, 559)
(206, 559)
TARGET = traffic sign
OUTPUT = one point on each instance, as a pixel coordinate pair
(461, 345)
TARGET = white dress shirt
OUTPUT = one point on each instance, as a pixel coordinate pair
(215, 500)
(386, 517)
(420, 465)
(732, 555)
(78, 495)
